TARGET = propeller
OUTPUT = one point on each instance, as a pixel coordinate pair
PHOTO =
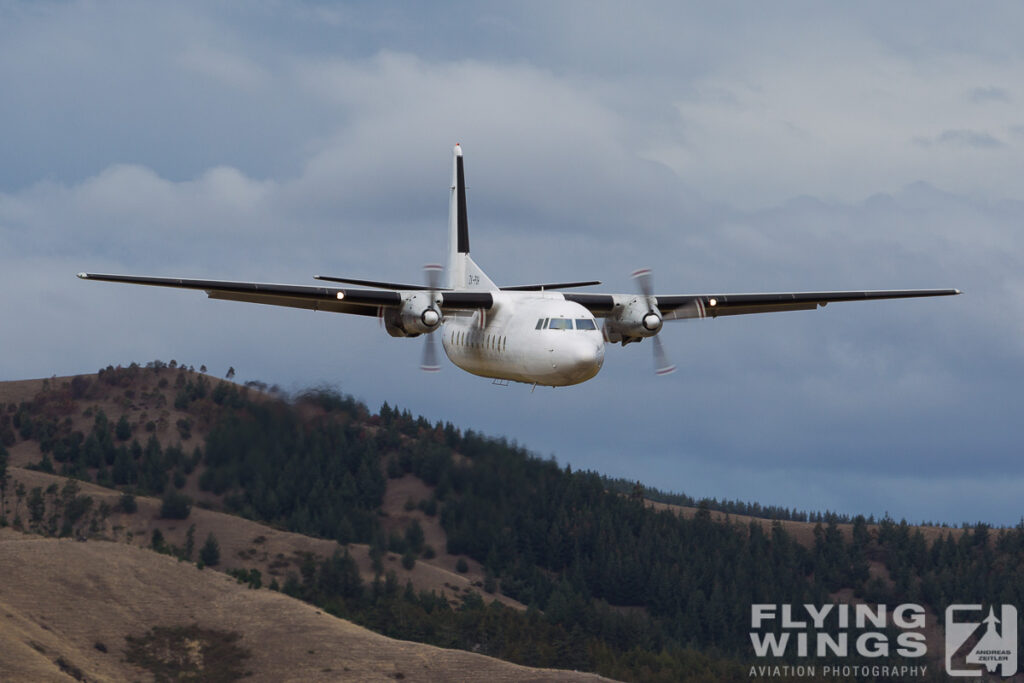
(652, 321)
(432, 318)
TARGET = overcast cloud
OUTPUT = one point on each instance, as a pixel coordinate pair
(791, 146)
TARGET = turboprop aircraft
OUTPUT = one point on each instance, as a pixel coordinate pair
(534, 334)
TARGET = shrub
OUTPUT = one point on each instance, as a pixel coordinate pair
(175, 506)
(409, 559)
(127, 503)
(157, 540)
(428, 506)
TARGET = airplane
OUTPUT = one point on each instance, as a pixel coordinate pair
(535, 334)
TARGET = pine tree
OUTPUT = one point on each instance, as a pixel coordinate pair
(3, 485)
(210, 552)
(123, 430)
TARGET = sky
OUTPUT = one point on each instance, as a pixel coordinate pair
(730, 147)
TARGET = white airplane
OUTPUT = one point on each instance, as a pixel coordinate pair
(529, 333)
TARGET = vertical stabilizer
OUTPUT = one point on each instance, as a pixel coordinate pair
(462, 272)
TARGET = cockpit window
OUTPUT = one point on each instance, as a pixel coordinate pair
(559, 324)
(540, 324)
(585, 324)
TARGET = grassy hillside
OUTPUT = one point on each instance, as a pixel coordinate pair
(427, 532)
(69, 608)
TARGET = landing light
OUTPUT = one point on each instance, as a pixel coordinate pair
(341, 295)
(713, 302)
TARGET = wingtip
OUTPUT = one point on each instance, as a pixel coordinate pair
(458, 150)
(83, 276)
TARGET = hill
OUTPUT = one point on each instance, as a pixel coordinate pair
(66, 609)
(426, 532)
(147, 400)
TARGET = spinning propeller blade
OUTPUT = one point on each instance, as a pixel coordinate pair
(432, 275)
(662, 365)
(653, 320)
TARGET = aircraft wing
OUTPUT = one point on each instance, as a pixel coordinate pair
(333, 299)
(683, 306)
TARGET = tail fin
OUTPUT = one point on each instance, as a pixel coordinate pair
(462, 272)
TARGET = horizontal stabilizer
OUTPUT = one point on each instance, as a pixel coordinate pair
(553, 285)
(373, 283)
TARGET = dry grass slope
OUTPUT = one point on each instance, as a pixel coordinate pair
(62, 602)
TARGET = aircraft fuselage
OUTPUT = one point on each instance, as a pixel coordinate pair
(531, 337)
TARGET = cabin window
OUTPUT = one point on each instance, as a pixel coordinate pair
(560, 324)
(585, 324)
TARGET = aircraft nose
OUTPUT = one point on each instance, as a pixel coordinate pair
(587, 358)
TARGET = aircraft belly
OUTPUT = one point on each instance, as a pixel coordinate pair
(547, 365)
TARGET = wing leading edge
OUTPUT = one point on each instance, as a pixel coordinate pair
(682, 306)
(332, 299)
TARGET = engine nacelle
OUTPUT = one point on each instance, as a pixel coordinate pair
(418, 315)
(632, 320)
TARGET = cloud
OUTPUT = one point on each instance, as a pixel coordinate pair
(963, 138)
(728, 153)
(989, 93)
(837, 126)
